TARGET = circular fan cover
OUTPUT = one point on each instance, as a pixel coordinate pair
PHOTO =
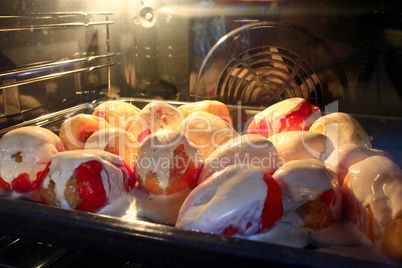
(263, 63)
(266, 75)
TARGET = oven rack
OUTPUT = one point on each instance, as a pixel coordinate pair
(55, 16)
(66, 66)
(41, 68)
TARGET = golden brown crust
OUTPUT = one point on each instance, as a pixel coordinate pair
(180, 165)
(363, 217)
(316, 214)
(71, 192)
(49, 194)
(391, 234)
(152, 183)
(392, 242)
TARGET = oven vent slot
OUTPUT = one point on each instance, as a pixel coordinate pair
(259, 64)
(266, 75)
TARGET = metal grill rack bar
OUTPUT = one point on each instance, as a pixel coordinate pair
(45, 69)
(58, 15)
(47, 26)
(46, 77)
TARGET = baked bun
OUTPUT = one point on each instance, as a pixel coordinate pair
(372, 192)
(167, 169)
(287, 115)
(116, 141)
(299, 145)
(210, 106)
(86, 180)
(310, 194)
(341, 128)
(117, 113)
(75, 131)
(233, 201)
(247, 151)
(207, 131)
(154, 117)
(24, 154)
(348, 154)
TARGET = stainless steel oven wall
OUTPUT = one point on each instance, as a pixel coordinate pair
(351, 50)
(64, 52)
(53, 55)
(152, 38)
(162, 44)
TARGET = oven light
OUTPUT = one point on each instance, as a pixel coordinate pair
(167, 10)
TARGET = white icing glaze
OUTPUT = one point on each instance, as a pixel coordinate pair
(234, 195)
(117, 141)
(207, 131)
(36, 145)
(341, 128)
(341, 233)
(117, 208)
(282, 108)
(274, 113)
(63, 165)
(377, 181)
(302, 181)
(298, 145)
(158, 208)
(247, 151)
(283, 234)
(156, 116)
(156, 154)
(117, 113)
(348, 154)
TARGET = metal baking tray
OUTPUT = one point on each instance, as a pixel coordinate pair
(157, 244)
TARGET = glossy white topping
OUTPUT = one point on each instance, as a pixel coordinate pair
(283, 107)
(284, 234)
(158, 208)
(156, 155)
(63, 165)
(234, 195)
(377, 181)
(274, 113)
(341, 128)
(342, 233)
(117, 141)
(117, 113)
(207, 131)
(298, 145)
(156, 116)
(348, 154)
(246, 151)
(305, 180)
(33, 145)
(118, 208)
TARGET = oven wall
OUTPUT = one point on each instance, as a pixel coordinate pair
(162, 49)
(54, 54)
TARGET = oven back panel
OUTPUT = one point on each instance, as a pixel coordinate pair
(56, 54)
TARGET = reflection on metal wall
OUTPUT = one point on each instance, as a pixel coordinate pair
(52, 55)
(72, 51)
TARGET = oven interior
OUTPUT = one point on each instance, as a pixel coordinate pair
(60, 55)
